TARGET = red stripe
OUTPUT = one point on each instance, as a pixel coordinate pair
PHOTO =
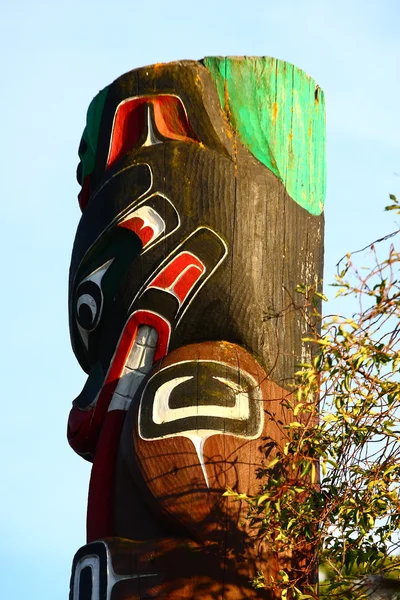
(186, 282)
(136, 224)
(180, 275)
(82, 437)
(109, 426)
(129, 121)
(100, 514)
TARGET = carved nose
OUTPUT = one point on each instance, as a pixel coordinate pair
(148, 120)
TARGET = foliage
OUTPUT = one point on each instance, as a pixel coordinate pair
(331, 489)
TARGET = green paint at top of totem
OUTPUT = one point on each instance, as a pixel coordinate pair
(90, 135)
(278, 112)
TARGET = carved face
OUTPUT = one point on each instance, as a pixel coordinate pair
(179, 229)
(155, 227)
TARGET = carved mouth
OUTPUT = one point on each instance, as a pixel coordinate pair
(143, 341)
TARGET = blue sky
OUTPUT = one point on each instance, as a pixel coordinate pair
(56, 57)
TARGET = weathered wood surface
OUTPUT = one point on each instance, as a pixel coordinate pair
(202, 191)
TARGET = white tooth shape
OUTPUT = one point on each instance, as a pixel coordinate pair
(151, 139)
(119, 402)
(198, 443)
(142, 335)
(139, 363)
(137, 357)
(152, 337)
(129, 382)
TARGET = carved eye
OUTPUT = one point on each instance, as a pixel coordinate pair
(89, 301)
(89, 305)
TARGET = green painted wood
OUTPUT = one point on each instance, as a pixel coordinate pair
(278, 112)
(90, 135)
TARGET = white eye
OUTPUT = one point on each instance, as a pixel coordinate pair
(89, 301)
(89, 305)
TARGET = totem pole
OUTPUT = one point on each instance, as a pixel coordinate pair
(202, 197)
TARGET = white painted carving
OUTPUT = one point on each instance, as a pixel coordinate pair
(162, 413)
(130, 212)
(150, 218)
(96, 277)
(170, 257)
(193, 265)
(93, 561)
(89, 301)
(138, 364)
(99, 273)
(151, 138)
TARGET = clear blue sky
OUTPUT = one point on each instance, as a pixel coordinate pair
(56, 57)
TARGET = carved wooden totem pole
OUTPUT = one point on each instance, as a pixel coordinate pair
(202, 193)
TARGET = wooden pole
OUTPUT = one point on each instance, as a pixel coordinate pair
(202, 197)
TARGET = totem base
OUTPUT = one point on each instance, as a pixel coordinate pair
(120, 569)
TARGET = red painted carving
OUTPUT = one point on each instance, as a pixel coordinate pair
(132, 119)
(180, 275)
(144, 232)
(96, 431)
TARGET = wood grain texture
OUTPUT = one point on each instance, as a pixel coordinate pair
(187, 232)
(278, 112)
(169, 568)
(183, 496)
(168, 467)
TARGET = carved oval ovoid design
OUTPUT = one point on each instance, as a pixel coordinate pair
(198, 428)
